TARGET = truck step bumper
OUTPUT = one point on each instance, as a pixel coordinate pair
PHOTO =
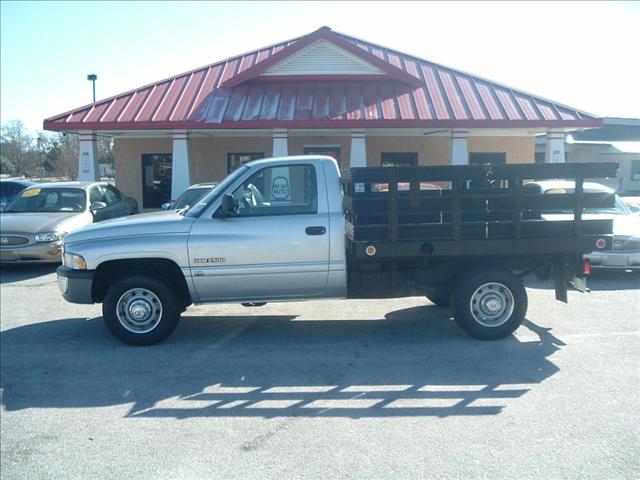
(75, 285)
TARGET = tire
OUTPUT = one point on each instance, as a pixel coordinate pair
(141, 309)
(489, 304)
(441, 298)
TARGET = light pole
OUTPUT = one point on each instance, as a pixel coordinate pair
(93, 77)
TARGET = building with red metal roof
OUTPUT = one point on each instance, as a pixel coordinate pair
(324, 92)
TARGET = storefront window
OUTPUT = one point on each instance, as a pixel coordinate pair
(399, 159)
(156, 179)
(495, 158)
(635, 169)
(333, 152)
(235, 160)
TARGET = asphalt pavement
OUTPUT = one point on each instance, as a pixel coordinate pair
(333, 389)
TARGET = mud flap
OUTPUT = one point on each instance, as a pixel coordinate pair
(560, 282)
(563, 275)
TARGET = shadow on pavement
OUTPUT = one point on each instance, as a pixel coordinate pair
(10, 273)
(412, 362)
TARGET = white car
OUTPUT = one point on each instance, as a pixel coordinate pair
(625, 252)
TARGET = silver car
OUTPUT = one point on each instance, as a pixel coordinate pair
(625, 252)
(190, 196)
(33, 225)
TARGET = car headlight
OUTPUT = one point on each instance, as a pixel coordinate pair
(49, 237)
(73, 261)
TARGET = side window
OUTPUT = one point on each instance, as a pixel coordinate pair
(279, 191)
(111, 195)
(399, 159)
(95, 195)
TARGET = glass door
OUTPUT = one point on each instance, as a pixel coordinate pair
(156, 179)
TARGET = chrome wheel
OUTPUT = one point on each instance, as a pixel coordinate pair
(492, 304)
(139, 310)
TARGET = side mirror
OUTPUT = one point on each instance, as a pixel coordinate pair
(633, 207)
(229, 206)
(97, 206)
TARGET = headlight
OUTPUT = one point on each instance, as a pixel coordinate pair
(49, 237)
(76, 262)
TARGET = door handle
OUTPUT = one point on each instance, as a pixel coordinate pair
(315, 230)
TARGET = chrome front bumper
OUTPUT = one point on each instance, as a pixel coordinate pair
(33, 253)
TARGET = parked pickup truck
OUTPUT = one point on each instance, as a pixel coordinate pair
(290, 228)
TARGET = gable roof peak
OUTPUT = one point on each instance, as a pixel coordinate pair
(324, 33)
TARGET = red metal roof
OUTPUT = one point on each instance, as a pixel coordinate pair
(411, 93)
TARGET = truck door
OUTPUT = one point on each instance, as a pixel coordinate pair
(275, 246)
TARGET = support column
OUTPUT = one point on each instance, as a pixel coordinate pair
(280, 142)
(358, 149)
(459, 147)
(88, 169)
(554, 150)
(181, 172)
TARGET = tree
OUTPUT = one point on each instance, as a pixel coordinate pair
(63, 155)
(16, 148)
(105, 149)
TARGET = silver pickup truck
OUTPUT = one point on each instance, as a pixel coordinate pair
(275, 230)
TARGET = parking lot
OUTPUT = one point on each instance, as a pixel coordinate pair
(355, 389)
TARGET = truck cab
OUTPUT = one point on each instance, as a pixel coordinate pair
(282, 238)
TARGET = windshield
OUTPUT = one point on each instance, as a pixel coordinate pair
(48, 200)
(619, 208)
(210, 197)
(190, 197)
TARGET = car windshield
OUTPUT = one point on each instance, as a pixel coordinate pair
(48, 200)
(190, 197)
(619, 208)
(210, 197)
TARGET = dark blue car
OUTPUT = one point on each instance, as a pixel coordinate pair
(9, 189)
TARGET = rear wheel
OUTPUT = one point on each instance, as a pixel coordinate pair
(141, 309)
(489, 304)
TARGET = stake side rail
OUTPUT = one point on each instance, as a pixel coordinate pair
(473, 210)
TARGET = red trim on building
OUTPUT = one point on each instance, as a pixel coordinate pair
(336, 124)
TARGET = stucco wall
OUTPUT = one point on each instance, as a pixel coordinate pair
(518, 149)
(431, 150)
(209, 154)
(128, 162)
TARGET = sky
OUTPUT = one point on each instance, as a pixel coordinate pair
(584, 55)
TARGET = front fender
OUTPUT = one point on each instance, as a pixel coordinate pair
(169, 246)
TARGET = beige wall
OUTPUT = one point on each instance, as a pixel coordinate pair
(209, 155)
(431, 150)
(518, 149)
(128, 162)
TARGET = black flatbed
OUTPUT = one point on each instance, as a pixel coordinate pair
(471, 210)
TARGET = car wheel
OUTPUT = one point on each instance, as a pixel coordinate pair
(489, 304)
(141, 309)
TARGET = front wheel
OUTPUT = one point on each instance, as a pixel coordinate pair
(489, 304)
(141, 309)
